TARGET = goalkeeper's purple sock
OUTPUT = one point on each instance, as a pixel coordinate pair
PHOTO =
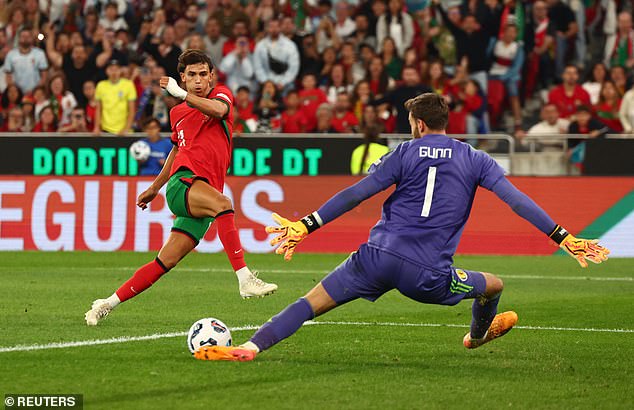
(483, 311)
(283, 324)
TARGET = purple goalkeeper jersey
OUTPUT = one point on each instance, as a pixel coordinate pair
(436, 179)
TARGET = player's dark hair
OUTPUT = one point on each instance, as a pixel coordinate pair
(189, 57)
(431, 108)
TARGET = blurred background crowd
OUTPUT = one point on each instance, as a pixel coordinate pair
(322, 66)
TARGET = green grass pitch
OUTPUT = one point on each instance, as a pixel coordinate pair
(548, 362)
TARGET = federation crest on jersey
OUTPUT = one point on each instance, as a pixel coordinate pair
(462, 275)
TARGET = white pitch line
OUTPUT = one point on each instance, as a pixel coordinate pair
(323, 272)
(125, 339)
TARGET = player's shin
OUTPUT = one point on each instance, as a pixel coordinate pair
(228, 234)
(283, 325)
(142, 279)
(483, 312)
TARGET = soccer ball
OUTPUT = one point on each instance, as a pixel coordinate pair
(140, 150)
(208, 332)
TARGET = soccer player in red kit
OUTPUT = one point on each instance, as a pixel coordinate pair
(194, 172)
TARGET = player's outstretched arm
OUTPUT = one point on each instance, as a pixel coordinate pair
(212, 108)
(161, 179)
(580, 249)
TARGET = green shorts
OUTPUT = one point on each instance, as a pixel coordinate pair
(177, 191)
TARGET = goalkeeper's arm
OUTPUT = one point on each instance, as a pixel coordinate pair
(521, 204)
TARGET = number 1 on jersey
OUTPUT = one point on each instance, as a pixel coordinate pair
(429, 192)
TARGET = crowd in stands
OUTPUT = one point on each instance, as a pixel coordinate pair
(524, 67)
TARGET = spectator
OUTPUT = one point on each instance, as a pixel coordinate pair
(28, 109)
(436, 78)
(474, 104)
(569, 94)
(508, 57)
(566, 29)
(337, 83)
(40, 97)
(240, 29)
(472, 37)
(276, 58)
(293, 118)
(327, 35)
(354, 69)
(551, 123)
(619, 76)
(440, 36)
(619, 47)
(116, 99)
(540, 38)
(228, 14)
(269, 108)
(111, 19)
(289, 30)
(607, 110)
(26, 65)
(311, 60)
(182, 30)
(265, 11)
(214, 39)
(583, 124)
(159, 148)
(244, 120)
(106, 50)
(369, 152)
(5, 47)
(76, 65)
(61, 100)
(90, 108)
(371, 118)
(344, 120)
(626, 113)
(195, 42)
(47, 121)
(410, 88)
(164, 51)
(596, 77)
(15, 121)
(344, 26)
(361, 97)
(78, 122)
(12, 97)
(311, 98)
(362, 33)
(324, 120)
(391, 61)
(238, 66)
(329, 58)
(379, 81)
(397, 25)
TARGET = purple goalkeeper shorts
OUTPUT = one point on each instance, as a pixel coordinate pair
(370, 272)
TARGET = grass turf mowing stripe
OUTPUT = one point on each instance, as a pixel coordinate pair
(308, 271)
(125, 339)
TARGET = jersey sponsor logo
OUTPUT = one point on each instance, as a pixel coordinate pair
(462, 275)
(434, 153)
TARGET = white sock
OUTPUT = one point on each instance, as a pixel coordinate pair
(243, 274)
(250, 346)
(113, 300)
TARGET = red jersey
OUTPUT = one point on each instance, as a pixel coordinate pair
(204, 143)
(311, 100)
(346, 123)
(567, 105)
(294, 123)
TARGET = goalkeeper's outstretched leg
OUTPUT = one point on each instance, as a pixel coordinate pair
(485, 324)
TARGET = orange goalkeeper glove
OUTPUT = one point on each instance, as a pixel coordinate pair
(580, 249)
(292, 233)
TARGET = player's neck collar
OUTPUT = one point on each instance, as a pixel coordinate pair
(433, 134)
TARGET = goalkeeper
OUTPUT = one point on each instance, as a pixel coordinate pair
(411, 248)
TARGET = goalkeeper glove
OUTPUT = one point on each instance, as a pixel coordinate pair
(580, 249)
(292, 233)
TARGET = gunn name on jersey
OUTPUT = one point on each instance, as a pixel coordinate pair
(434, 153)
